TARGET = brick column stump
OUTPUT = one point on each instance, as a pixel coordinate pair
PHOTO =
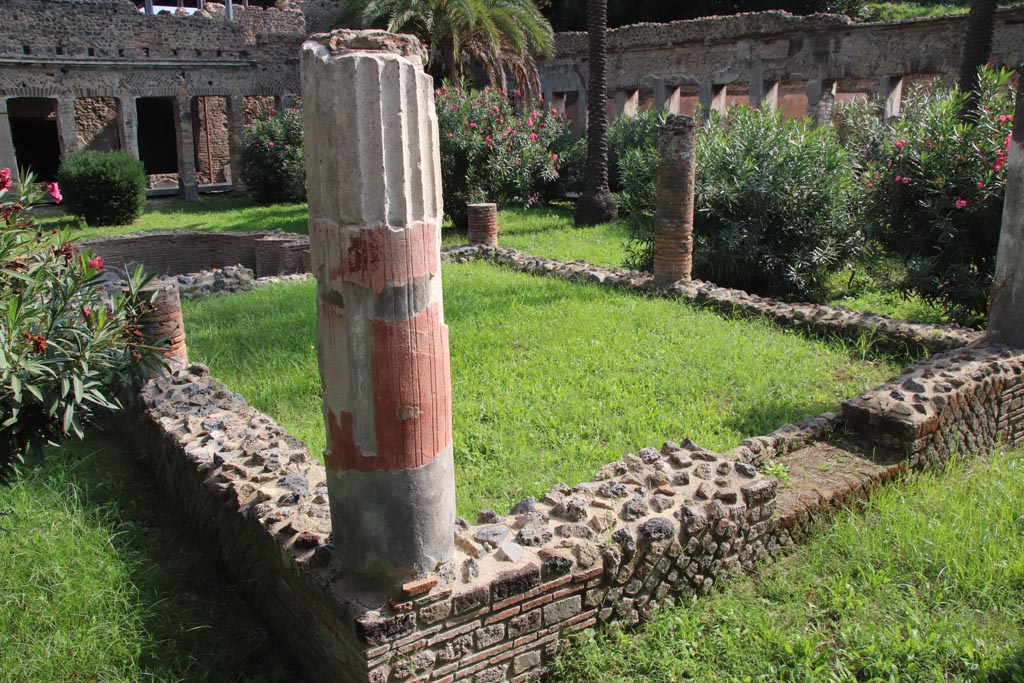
(483, 224)
(673, 218)
(373, 173)
(163, 323)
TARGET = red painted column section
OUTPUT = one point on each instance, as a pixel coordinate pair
(373, 173)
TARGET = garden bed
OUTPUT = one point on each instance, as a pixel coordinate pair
(551, 380)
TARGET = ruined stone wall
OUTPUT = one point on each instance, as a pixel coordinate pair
(651, 527)
(830, 321)
(172, 253)
(106, 47)
(213, 151)
(754, 51)
(96, 124)
(968, 400)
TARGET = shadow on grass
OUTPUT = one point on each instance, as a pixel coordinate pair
(197, 625)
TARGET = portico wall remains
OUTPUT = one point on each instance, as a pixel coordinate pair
(768, 59)
(96, 59)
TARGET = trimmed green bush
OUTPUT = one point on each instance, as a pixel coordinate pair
(273, 163)
(932, 192)
(104, 188)
(772, 202)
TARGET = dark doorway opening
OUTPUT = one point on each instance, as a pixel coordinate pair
(34, 132)
(158, 147)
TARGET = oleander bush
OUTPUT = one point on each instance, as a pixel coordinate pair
(492, 151)
(104, 188)
(772, 202)
(273, 163)
(931, 192)
(67, 343)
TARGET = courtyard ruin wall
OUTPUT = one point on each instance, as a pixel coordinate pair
(90, 73)
(650, 528)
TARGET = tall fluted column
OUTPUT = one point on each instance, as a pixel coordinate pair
(374, 183)
(673, 218)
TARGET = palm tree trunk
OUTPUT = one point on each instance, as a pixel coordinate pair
(981, 23)
(596, 205)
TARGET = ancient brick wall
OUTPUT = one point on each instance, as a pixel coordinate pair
(106, 47)
(212, 148)
(172, 253)
(96, 124)
(675, 64)
(967, 400)
(651, 527)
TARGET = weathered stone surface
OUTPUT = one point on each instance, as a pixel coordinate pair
(387, 399)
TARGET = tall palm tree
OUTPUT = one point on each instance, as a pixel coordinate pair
(500, 36)
(596, 204)
(981, 25)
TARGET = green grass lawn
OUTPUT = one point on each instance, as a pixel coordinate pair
(546, 231)
(100, 582)
(927, 584)
(212, 213)
(549, 231)
(551, 380)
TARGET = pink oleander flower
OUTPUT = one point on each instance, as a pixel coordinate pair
(899, 179)
(980, 184)
(53, 189)
(516, 92)
(517, 162)
(529, 122)
(533, 136)
(449, 134)
(960, 203)
(472, 124)
(5, 179)
(488, 140)
(1006, 143)
(905, 180)
(270, 144)
(455, 107)
(900, 144)
(554, 157)
(273, 112)
(96, 263)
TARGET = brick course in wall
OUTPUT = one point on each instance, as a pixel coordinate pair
(267, 252)
(651, 527)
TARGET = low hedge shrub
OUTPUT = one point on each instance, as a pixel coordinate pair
(104, 188)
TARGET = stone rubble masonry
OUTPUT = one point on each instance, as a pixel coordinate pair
(673, 216)
(967, 400)
(96, 124)
(830, 321)
(373, 174)
(650, 528)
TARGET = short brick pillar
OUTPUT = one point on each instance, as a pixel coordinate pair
(163, 322)
(374, 176)
(483, 224)
(673, 219)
